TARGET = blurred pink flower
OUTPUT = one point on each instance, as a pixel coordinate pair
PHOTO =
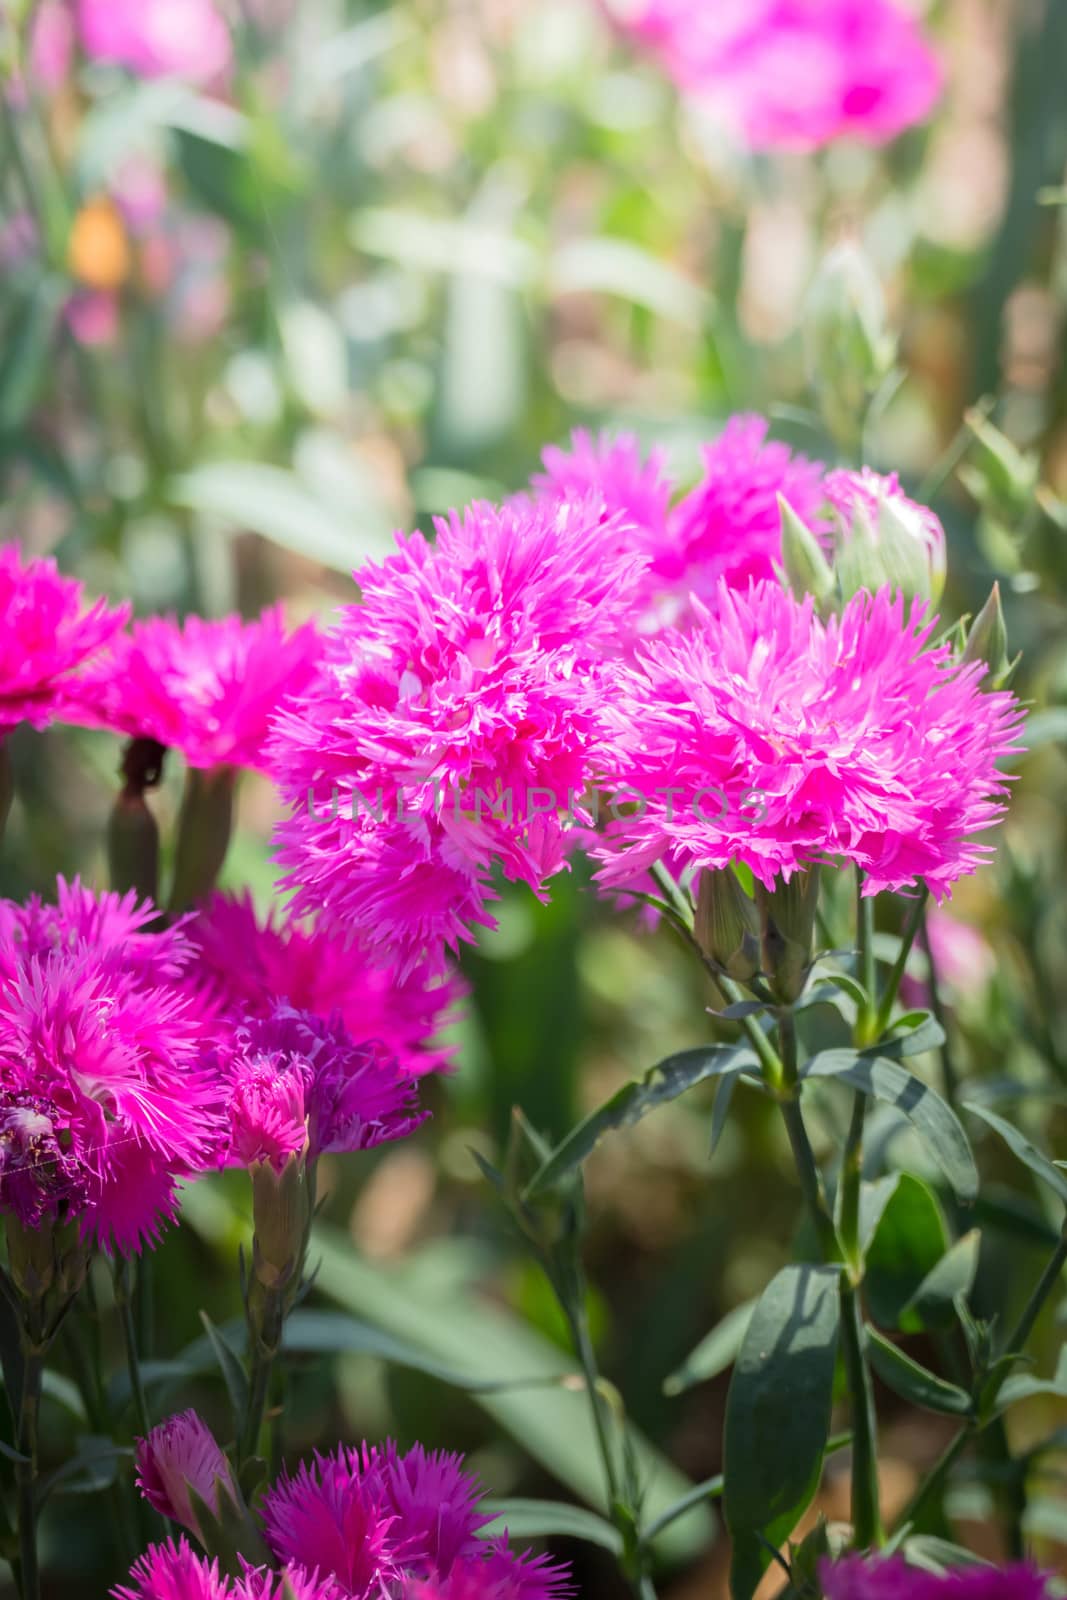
(206, 688)
(858, 1577)
(769, 737)
(459, 707)
(795, 74)
(179, 1455)
(51, 45)
(963, 959)
(157, 38)
(92, 315)
(47, 632)
(252, 965)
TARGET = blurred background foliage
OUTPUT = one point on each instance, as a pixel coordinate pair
(247, 331)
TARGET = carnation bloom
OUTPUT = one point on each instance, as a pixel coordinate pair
(174, 1571)
(104, 1100)
(206, 688)
(613, 469)
(892, 1578)
(769, 737)
(297, 1079)
(458, 710)
(157, 38)
(46, 633)
(877, 499)
(178, 1456)
(252, 964)
(794, 74)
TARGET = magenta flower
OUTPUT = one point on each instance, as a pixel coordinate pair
(769, 737)
(867, 493)
(106, 1102)
(334, 1517)
(613, 469)
(252, 965)
(795, 74)
(297, 1079)
(862, 1578)
(178, 1456)
(174, 1571)
(157, 38)
(459, 707)
(47, 632)
(963, 957)
(206, 688)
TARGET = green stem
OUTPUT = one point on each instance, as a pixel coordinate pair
(7, 785)
(851, 1185)
(868, 971)
(33, 1354)
(911, 926)
(770, 1060)
(583, 1349)
(1019, 1338)
(950, 1077)
(87, 1377)
(266, 1322)
(866, 1519)
(205, 822)
(803, 1155)
(938, 1475)
(124, 1306)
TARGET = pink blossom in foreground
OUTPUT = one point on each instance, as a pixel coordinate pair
(867, 492)
(298, 1079)
(105, 1102)
(157, 38)
(47, 632)
(180, 1455)
(206, 688)
(472, 679)
(794, 74)
(252, 964)
(863, 1578)
(769, 737)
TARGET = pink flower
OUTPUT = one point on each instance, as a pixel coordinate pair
(300, 1079)
(100, 1057)
(334, 1517)
(499, 1575)
(175, 1572)
(178, 1456)
(157, 38)
(46, 633)
(611, 468)
(729, 525)
(51, 45)
(862, 1578)
(963, 959)
(868, 493)
(208, 689)
(769, 737)
(796, 74)
(253, 964)
(458, 708)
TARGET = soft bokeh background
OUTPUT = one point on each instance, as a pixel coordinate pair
(249, 329)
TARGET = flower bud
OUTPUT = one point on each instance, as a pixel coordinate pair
(806, 569)
(179, 1456)
(727, 925)
(281, 1214)
(205, 823)
(847, 346)
(884, 538)
(787, 927)
(987, 640)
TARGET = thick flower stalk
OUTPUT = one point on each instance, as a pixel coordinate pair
(794, 74)
(459, 716)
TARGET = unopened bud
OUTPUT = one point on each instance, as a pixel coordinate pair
(132, 831)
(884, 538)
(787, 928)
(727, 925)
(31, 1256)
(999, 476)
(987, 640)
(847, 346)
(281, 1214)
(205, 823)
(806, 568)
(183, 1474)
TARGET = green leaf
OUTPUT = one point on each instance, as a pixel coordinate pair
(724, 1095)
(778, 1416)
(912, 1381)
(233, 1373)
(909, 1240)
(618, 266)
(539, 1519)
(635, 1100)
(1046, 727)
(924, 1108)
(1026, 1386)
(933, 1305)
(926, 1550)
(715, 1352)
(1020, 1146)
(280, 507)
(93, 1468)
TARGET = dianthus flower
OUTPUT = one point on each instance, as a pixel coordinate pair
(873, 496)
(863, 1578)
(104, 1100)
(769, 737)
(298, 1079)
(460, 708)
(795, 74)
(157, 38)
(612, 469)
(252, 964)
(180, 1455)
(47, 632)
(206, 688)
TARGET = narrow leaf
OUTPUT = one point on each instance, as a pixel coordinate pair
(912, 1381)
(933, 1305)
(907, 1244)
(1020, 1146)
(778, 1416)
(539, 1519)
(233, 1373)
(1026, 1386)
(715, 1352)
(635, 1100)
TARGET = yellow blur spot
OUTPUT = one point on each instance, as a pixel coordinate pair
(98, 253)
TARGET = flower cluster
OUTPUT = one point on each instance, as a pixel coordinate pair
(795, 74)
(360, 1524)
(105, 1102)
(47, 633)
(473, 676)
